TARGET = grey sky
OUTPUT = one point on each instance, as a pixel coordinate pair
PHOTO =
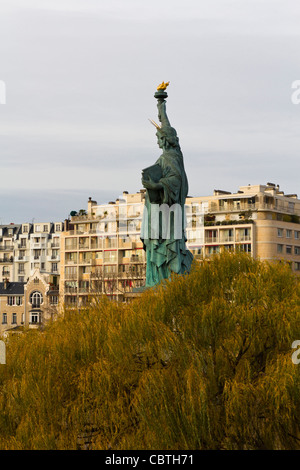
(80, 77)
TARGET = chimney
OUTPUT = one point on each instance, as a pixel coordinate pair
(91, 203)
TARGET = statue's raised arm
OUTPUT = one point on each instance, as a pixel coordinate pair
(161, 95)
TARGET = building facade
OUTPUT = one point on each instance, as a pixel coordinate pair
(101, 252)
(27, 305)
(258, 219)
(27, 247)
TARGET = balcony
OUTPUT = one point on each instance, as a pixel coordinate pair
(83, 247)
(84, 217)
(211, 239)
(22, 246)
(226, 239)
(6, 248)
(39, 245)
(243, 238)
(53, 258)
(83, 290)
(7, 260)
(243, 207)
(22, 259)
(70, 276)
(70, 290)
(85, 261)
(55, 245)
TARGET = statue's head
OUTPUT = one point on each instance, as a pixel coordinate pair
(167, 137)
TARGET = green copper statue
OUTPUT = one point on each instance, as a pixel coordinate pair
(163, 226)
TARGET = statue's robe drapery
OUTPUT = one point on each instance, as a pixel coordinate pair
(167, 255)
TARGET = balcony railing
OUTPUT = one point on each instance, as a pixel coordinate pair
(22, 259)
(70, 290)
(7, 260)
(243, 238)
(234, 207)
(211, 240)
(39, 245)
(70, 276)
(226, 239)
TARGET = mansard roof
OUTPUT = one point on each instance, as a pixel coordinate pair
(13, 288)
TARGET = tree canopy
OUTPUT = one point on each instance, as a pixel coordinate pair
(202, 361)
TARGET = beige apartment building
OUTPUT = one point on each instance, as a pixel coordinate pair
(101, 252)
(258, 219)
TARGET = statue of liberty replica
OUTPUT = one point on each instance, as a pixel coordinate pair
(163, 225)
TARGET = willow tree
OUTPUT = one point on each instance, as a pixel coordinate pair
(202, 361)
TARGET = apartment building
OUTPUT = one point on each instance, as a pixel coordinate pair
(101, 252)
(8, 236)
(27, 247)
(258, 219)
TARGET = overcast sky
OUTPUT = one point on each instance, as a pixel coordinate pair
(80, 76)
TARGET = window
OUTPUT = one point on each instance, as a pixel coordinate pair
(25, 228)
(70, 272)
(14, 318)
(14, 300)
(37, 228)
(245, 247)
(34, 317)
(280, 232)
(4, 318)
(297, 250)
(70, 243)
(297, 234)
(54, 267)
(57, 227)
(36, 299)
(111, 256)
(291, 206)
(45, 228)
(21, 269)
(297, 266)
(288, 233)
(288, 250)
(279, 248)
(54, 300)
(56, 242)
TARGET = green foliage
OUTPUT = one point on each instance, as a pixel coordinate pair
(203, 361)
